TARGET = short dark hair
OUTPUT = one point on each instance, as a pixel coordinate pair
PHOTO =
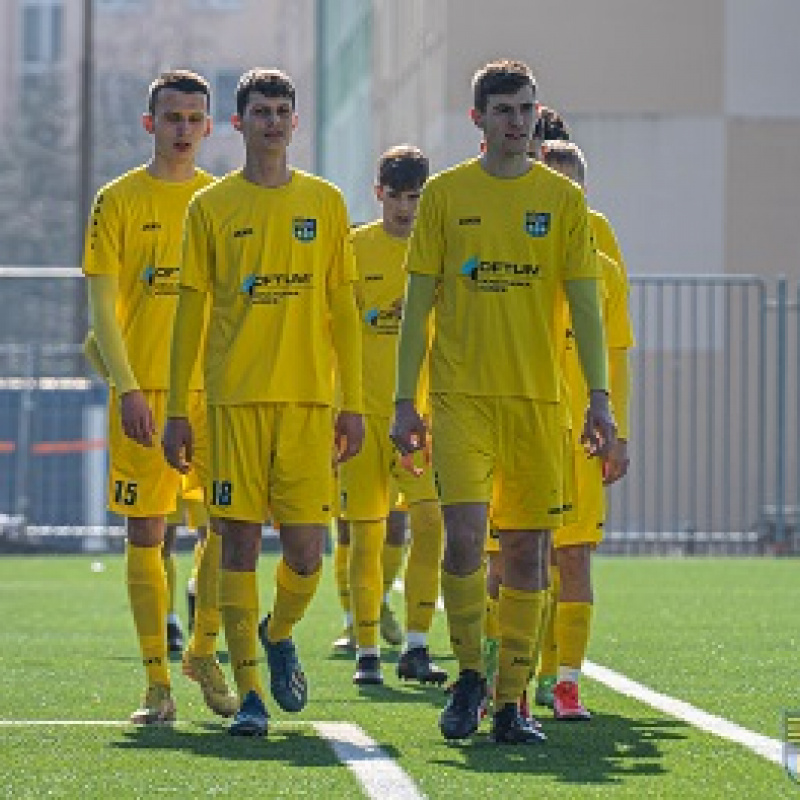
(182, 80)
(500, 77)
(403, 168)
(269, 82)
(551, 126)
(558, 153)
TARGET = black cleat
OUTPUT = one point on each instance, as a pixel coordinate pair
(174, 637)
(460, 717)
(510, 727)
(416, 665)
(368, 671)
(287, 681)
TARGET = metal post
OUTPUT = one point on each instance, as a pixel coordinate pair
(781, 433)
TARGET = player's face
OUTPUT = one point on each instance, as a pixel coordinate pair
(267, 123)
(399, 209)
(178, 124)
(508, 122)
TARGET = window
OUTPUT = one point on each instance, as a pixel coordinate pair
(42, 34)
(223, 95)
(118, 5)
(217, 5)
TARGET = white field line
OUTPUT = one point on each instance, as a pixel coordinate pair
(771, 749)
(377, 773)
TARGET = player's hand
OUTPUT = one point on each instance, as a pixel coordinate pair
(615, 464)
(138, 422)
(348, 432)
(408, 432)
(599, 429)
(177, 442)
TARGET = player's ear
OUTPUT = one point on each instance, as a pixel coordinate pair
(236, 121)
(379, 192)
(148, 122)
(295, 122)
(476, 117)
(209, 125)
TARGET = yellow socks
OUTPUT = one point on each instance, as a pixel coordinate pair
(293, 593)
(465, 603)
(392, 560)
(573, 621)
(197, 555)
(169, 572)
(548, 647)
(341, 569)
(423, 567)
(520, 620)
(366, 545)
(147, 590)
(238, 605)
(206, 609)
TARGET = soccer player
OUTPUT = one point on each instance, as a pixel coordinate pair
(131, 263)
(573, 543)
(394, 548)
(268, 246)
(367, 480)
(497, 243)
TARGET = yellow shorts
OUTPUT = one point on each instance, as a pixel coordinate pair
(141, 483)
(190, 508)
(374, 482)
(585, 524)
(500, 451)
(271, 460)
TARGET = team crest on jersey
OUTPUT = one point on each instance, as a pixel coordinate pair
(305, 229)
(537, 223)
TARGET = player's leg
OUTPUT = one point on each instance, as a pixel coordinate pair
(394, 549)
(422, 575)
(174, 629)
(143, 489)
(365, 506)
(346, 643)
(494, 579)
(200, 662)
(300, 491)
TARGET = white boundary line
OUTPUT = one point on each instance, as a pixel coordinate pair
(771, 749)
(377, 773)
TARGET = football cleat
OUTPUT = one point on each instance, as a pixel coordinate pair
(510, 727)
(416, 665)
(157, 706)
(252, 718)
(368, 671)
(174, 637)
(544, 690)
(287, 682)
(567, 703)
(460, 717)
(205, 670)
(346, 643)
(391, 631)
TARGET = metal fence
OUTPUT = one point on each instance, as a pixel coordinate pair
(714, 422)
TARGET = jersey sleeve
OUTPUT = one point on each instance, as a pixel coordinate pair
(579, 254)
(197, 259)
(103, 248)
(619, 331)
(342, 265)
(424, 253)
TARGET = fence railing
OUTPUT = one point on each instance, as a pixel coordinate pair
(714, 415)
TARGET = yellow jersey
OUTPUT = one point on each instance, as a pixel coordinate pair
(501, 250)
(135, 232)
(616, 321)
(269, 258)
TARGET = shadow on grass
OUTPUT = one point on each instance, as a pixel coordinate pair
(605, 751)
(298, 747)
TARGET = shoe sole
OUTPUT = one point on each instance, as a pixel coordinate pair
(436, 680)
(250, 730)
(573, 717)
(371, 680)
(225, 713)
(161, 718)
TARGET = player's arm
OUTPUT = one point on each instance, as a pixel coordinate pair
(590, 341)
(137, 418)
(615, 465)
(408, 428)
(92, 354)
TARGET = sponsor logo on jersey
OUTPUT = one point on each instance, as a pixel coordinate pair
(305, 229)
(239, 233)
(469, 221)
(161, 280)
(151, 226)
(275, 287)
(537, 223)
(498, 276)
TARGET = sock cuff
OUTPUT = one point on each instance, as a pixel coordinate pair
(521, 595)
(238, 589)
(293, 581)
